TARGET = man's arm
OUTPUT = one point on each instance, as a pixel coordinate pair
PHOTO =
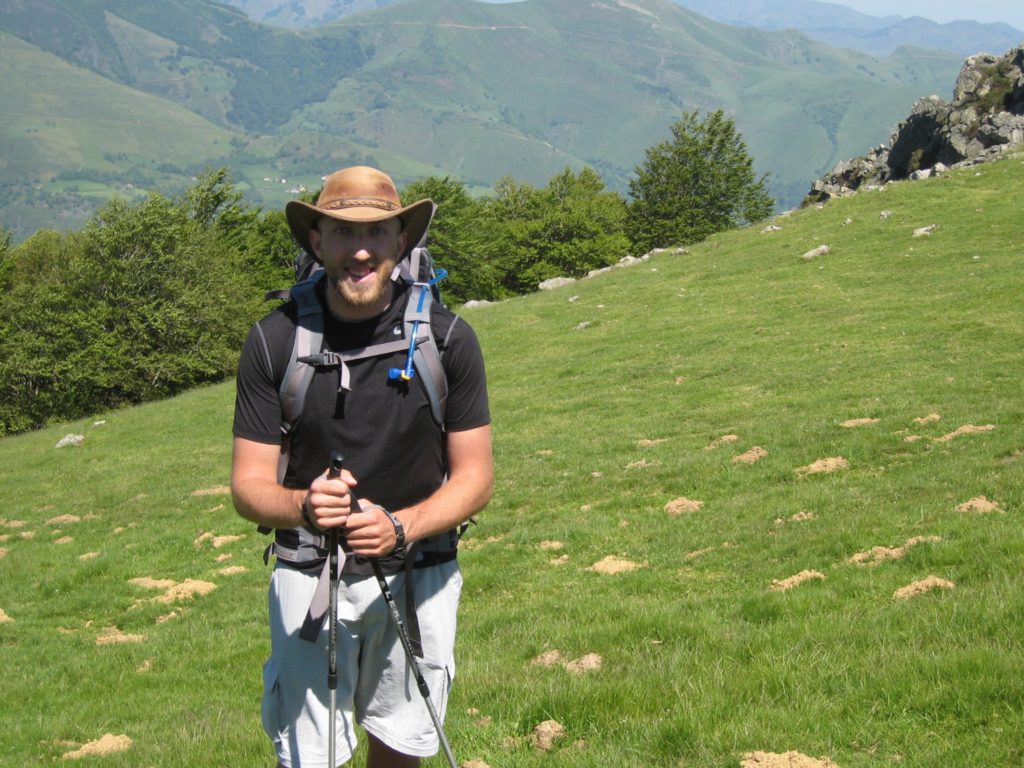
(469, 486)
(258, 496)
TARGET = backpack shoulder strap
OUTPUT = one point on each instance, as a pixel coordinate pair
(309, 338)
(427, 357)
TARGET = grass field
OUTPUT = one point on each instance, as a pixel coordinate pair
(701, 661)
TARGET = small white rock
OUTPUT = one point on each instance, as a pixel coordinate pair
(70, 440)
(925, 230)
(884, 215)
(821, 250)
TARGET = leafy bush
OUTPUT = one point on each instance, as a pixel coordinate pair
(147, 301)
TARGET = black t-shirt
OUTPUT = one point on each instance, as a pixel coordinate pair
(384, 427)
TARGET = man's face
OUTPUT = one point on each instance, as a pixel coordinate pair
(358, 257)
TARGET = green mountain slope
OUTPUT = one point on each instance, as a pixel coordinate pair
(481, 90)
(524, 87)
(597, 429)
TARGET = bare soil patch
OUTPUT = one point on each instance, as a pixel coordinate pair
(114, 636)
(27, 534)
(785, 760)
(474, 764)
(544, 453)
(723, 439)
(4, 618)
(474, 543)
(16, 523)
(641, 464)
(877, 555)
(222, 558)
(800, 517)
(920, 587)
(588, 663)
(928, 419)
(545, 734)
(185, 591)
(88, 555)
(107, 745)
(979, 506)
(220, 541)
(63, 540)
(145, 666)
(750, 457)
(914, 438)
(63, 520)
(560, 560)
(551, 545)
(683, 504)
(166, 618)
(202, 537)
(232, 569)
(858, 422)
(547, 659)
(966, 429)
(793, 581)
(216, 490)
(827, 466)
(648, 443)
(613, 565)
(4, 551)
(150, 583)
(483, 722)
(4, 536)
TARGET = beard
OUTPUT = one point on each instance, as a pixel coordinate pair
(364, 295)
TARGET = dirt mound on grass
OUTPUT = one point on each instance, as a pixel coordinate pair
(979, 506)
(548, 659)
(683, 504)
(551, 545)
(114, 636)
(560, 560)
(63, 520)
(106, 745)
(587, 663)
(613, 565)
(723, 439)
(4, 618)
(474, 764)
(858, 422)
(920, 587)
(88, 555)
(928, 419)
(967, 429)
(786, 760)
(232, 569)
(148, 583)
(751, 456)
(877, 555)
(649, 443)
(63, 540)
(185, 591)
(4, 551)
(827, 466)
(793, 581)
(544, 735)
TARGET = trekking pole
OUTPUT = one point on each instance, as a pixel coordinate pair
(332, 646)
(403, 636)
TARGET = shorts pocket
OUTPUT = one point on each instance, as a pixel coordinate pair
(270, 707)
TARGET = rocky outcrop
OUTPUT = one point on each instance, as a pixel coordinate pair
(984, 121)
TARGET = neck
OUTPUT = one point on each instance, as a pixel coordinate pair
(343, 310)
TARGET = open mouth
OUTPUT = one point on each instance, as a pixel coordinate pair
(361, 274)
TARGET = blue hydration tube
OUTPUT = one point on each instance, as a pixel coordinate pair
(406, 374)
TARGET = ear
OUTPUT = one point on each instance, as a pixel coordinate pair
(314, 242)
(403, 238)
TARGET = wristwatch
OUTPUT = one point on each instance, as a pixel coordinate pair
(399, 529)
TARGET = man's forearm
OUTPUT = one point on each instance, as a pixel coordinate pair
(266, 503)
(451, 505)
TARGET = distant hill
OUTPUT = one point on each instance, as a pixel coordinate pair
(830, 23)
(479, 90)
(844, 27)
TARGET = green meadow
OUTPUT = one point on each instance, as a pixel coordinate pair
(606, 397)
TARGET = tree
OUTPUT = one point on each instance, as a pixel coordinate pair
(700, 182)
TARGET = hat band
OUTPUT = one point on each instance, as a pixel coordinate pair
(359, 202)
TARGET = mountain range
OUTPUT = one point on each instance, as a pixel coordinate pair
(829, 23)
(431, 86)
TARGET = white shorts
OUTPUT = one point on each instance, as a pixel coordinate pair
(375, 683)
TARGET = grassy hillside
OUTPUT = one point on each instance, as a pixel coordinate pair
(606, 397)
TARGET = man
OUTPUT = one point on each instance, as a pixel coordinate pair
(397, 458)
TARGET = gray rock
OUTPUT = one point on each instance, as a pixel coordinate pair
(582, 325)
(476, 303)
(556, 282)
(884, 215)
(925, 230)
(821, 250)
(627, 261)
(924, 173)
(70, 440)
(595, 272)
(771, 228)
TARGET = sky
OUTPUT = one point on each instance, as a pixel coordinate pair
(1009, 11)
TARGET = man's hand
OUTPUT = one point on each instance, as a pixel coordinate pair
(329, 502)
(370, 533)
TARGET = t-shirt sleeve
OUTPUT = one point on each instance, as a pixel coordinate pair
(467, 380)
(257, 407)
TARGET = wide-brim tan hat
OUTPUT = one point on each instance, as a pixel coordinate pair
(359, 194)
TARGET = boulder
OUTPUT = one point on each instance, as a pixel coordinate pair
(821, 250)
(556, 282)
